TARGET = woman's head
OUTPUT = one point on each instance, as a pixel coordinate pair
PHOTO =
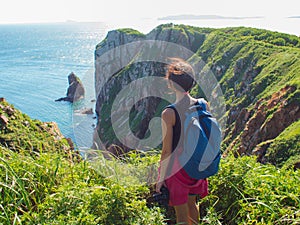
(181, 73)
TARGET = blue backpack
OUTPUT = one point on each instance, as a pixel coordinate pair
(201, 153)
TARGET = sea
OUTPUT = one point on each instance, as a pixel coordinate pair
(36, 59)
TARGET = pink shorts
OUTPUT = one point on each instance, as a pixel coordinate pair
(180, 185)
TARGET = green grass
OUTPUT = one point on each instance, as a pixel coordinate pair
(50, 186)
(285, 146)
(50, 189)
(132, 32)
(44, 181)
(247, 192)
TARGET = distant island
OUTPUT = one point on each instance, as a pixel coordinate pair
(205, 17)
(294, 17)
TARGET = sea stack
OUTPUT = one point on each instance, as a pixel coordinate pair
(75, 90)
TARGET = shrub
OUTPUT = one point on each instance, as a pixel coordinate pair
(247, 192)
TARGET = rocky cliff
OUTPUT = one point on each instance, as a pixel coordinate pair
(125, 56)
(257, 70)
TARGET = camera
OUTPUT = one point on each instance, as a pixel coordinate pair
(162, 198)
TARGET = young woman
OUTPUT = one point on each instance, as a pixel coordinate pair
(183, 190)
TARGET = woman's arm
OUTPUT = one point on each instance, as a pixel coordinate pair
(168, 121)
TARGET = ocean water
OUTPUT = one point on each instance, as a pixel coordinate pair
(36, 59)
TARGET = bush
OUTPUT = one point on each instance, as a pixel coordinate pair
(247, 192)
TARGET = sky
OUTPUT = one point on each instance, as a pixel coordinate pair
(36, 11)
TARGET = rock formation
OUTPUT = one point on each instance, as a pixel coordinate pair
(8, 110)
(75, 90)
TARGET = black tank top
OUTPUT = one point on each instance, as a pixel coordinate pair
(176, 130)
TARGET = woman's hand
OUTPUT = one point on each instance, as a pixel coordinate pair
(159, 185)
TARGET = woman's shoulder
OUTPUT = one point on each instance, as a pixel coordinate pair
(168, 111)
(168, 115)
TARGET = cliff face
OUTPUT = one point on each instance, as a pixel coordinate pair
(257, 126)
(258, 77)
(123, 57)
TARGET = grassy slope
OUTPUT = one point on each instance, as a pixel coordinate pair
(278, 65)
(260, 53)
(289, 141)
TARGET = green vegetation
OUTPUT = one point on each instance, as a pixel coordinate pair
(247, 192)
(33, 135)
(275, 38)
(49, 185)
(43, 180)
(253, 67)
(46, 187)
(285, 149)
(127, 31)
(131, 32)
(50, 189)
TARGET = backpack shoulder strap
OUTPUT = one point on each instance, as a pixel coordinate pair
(171, 106)
(202, 103)
(199, 106)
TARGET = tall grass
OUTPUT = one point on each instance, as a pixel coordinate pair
(247, 192)
(49, 189)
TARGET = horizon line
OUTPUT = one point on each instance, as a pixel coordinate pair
(169, 17)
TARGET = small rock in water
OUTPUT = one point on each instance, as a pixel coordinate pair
(75, 90)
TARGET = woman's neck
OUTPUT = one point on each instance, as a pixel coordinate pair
(184, 97)
(180, 95)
